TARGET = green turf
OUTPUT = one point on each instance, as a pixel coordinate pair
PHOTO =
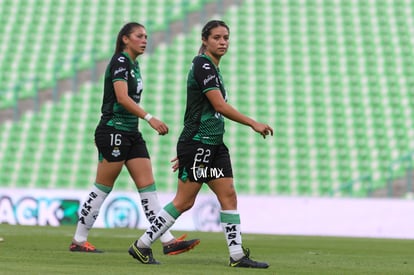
(44, 250)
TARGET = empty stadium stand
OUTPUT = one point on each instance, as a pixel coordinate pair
(334, 79)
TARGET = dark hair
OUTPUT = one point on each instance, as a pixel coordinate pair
(206, 31)
(126, 30)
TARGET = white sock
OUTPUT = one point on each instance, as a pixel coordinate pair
(162, 222)
(230, 221)
(151, 206)
(88, 213)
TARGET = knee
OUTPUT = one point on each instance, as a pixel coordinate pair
(183, 206)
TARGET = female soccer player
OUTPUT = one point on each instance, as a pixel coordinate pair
(201, 153)
(120, 143)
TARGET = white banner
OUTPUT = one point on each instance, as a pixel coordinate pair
(380, 218)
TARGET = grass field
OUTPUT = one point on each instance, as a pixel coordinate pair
(44, 250)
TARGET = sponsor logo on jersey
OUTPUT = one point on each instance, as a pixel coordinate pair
(206, 66)
(140, 86)
(119, 70)
(137, 96)
(209, 78)
(121, 59)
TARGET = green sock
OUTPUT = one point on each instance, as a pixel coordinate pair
(170, 208)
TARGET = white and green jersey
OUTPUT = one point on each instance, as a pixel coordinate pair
(201, 121)
(121, 68)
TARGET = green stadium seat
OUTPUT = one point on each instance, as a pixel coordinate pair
(336, 93)
(77, 41)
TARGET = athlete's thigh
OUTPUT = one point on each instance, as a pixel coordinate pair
(107, 172)
(140, 170)
(186, 194)
(225, 192)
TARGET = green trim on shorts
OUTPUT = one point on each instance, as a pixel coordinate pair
(103, 188)
(229, 218)
(184, 175)
(100, 157)
(170, 209)
(149, 188)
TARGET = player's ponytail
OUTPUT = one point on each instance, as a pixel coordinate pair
(206, 31)
(127, 29)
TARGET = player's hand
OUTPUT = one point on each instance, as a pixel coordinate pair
(262, 129)
(175, 164)
(158, 126)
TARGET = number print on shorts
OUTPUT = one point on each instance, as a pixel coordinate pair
(116, 140)
(202, 155)
(199, 169)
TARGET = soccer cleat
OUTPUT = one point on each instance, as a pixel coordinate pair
(180, 245)
(247, 262)
(85, 247)
(144, 255)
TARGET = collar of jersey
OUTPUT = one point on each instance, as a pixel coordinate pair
(209, 59)
(129, 58)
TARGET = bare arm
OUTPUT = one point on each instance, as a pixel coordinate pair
(121, 93)
(222, 107)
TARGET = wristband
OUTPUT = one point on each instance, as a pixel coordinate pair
(148, 117)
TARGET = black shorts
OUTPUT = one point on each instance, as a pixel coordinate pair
(115, 145)
(201, 163)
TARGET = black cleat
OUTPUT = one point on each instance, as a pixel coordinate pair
(180, 246)
(247, 262)
(144, 255)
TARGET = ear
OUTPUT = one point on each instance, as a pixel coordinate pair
(204, 41)
(125, 39)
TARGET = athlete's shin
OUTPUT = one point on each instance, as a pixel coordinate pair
(161, 223)
(151, 206)
(230, 221)
(89, 211)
